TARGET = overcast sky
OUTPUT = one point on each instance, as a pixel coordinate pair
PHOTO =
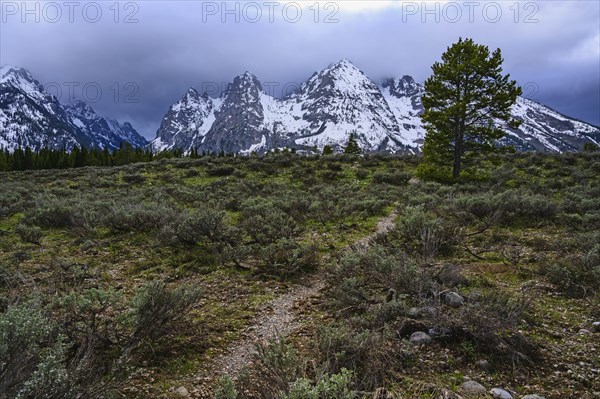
(143, 55)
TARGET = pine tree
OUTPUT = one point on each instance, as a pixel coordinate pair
(352, 146)
(463, 99)
(327, 150)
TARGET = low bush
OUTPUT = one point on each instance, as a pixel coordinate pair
(330, 386)
(30, 234)
(286, 257)
(577, 276)
(274, 367)
(220, 170)
(395, 178)
(139, 216)
(425, 234)
(85, 344)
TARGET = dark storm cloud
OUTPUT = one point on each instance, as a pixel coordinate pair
(142, 67)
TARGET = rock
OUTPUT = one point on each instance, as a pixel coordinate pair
(439, 332)
(583, 331)
(472, 388)
(182, 391)
(420, 338)
(454, 300)
(498, 393)
(416, 313)
(533, 397)
(484, 365)
(596, 326)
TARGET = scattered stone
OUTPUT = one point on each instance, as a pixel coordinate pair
(533, 397)
(498, 393)
(583, 331)
(420, 338)
(472, 388)
(182, 391)
(439, 332)
(417, 313)
(596, 326)
(454, 300)
(484, 365)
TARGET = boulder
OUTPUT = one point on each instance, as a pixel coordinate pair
(498, 393)
(420, 338)
(454, 300)
(472, 388)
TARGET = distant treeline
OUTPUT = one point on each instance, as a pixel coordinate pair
(46, 158)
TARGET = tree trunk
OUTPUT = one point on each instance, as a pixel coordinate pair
(458, 143)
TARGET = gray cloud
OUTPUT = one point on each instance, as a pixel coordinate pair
(175, 45)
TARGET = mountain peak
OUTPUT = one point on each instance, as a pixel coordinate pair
(244, 83)
(78, 107)
(343, 63)
(404, 86)
(247, 77)
(6, 69)
(20, 78)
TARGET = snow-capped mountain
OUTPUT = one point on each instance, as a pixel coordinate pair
(102, 132)
(31, 117)
(330, 105)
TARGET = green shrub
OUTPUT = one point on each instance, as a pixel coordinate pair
(576, 276)
(225, 388)
(139, 216)
(361, 174)
(395, 178)
(220, 170)
(81, 213)
(133, 179)
(330, 386)
(202, 225)
(275, 365)
(424, 234)
(370, 355)
(24, 332)
(31, 234)
(266, 223)
(286, 257)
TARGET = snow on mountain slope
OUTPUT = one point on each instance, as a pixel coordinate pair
(239, 120)
(341, 99)
(544, 129)
(101, 132)
(31, 117)
(330, 105)
(186, 122)
(404, 98)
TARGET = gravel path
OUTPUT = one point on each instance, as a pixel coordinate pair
(279, 317)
